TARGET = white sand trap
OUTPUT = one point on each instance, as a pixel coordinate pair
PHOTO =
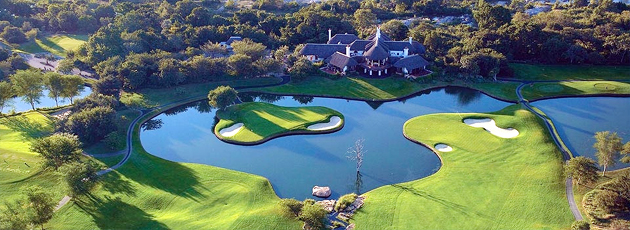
(490, 126)
(232, 130)
(443, 148)
(333, 123)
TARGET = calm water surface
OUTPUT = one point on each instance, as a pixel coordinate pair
(20, 105)
(294, 164)
(577, 120)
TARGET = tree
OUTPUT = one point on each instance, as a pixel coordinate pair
(6, 94)
(356, 153)
(92, 124)
(214, 50)
(625, 152)
(608, 145)
(79, 177)
(491, 17)
(13, 216)
(486, 62)
(222, 97)
(72, 85)
(13, 34)
(301, 69)
(54, 85)
(42, 204)
(395, 29)
(291, 206)
(241, 65)
(250, 48)
(583, 170)
(58, 149)
(108, 86)
(313, 216)
(364, 18)
(28, 84)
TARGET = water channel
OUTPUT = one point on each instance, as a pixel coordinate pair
(294, 164)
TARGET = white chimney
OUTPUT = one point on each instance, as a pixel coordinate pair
(348, 50)
(410, 40)
(329, 34)
(378, 31)
(405, 52)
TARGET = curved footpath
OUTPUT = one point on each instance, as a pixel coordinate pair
(566, 153)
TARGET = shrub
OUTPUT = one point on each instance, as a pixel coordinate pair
(222, 97)
(580, 225)
(292, 207)
(345, 201)
(313, 216)
(91, 125)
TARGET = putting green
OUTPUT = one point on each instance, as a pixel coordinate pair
(257, 122)
(486, 182)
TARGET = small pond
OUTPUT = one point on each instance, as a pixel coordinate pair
(294, 164)
(20, 105)
(577, 120)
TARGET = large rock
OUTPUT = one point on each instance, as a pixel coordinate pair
(328, 205)
(323, 192)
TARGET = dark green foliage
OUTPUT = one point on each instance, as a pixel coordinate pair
(491, 17)
(583, 170)
(108, 86)
(91, 124)
(54, 85)
(13, 216)
(79, 177)
(313, 215)
(580, 225)
(345, 201)
(4, 54)
(94, 100)
(13, 35)
(222, 97)
(292, 207)
(42, 205)
(302, 69)
(241, 65)
(71, 86)
(485, 63)
(58, 149)
(6, 93)
(17, 62)
(199, 69)
(395, 29)
(250, 48)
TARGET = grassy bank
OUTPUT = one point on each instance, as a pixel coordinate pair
(147, 98)
(152, 193)
(486, 182)
(580, 190)
(56, 44)
(545, 90)
(263, 121)
(570, 72)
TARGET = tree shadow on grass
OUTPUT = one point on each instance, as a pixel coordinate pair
(114, 184)
(113, 213)
(28, 128)
(419, 193)
(168, 176)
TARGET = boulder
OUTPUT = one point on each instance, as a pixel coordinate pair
(328, 205)
(323, 192)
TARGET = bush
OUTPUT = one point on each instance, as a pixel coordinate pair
(292, 207)
(91, 125)
(580, 225)
(222, 97)
(93, 101)
(313, 216)
(345, 201)
(13, 35)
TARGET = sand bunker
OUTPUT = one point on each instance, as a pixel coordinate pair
(443, 148)
(232, 130)
(334, 122)
(490, 126)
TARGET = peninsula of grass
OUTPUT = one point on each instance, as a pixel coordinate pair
(55, 44)
(569, 72)
(486, 182)
(152, 193)
(264, 121)
(542, 90)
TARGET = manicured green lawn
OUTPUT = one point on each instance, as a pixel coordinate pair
(19, 167)
(486, 182)
(263, 121)
(545, 90)
(152, 193)
(56, 44)
(502, 90)
(570, 72)
(351, 87)
(147, 98)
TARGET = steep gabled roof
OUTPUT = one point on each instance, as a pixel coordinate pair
(343, 39)
(411, 62)
(322, 50)
(340, 60)
(414, 47)
(378, 51)
(359, 45)
(233, 39)
(383, 37)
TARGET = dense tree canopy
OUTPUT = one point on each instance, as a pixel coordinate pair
(58, 149)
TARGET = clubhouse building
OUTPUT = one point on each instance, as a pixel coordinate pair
(377, 56)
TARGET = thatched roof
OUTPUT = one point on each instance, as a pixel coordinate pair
(411, 62)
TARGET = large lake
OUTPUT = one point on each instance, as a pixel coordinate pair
(294, 164)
